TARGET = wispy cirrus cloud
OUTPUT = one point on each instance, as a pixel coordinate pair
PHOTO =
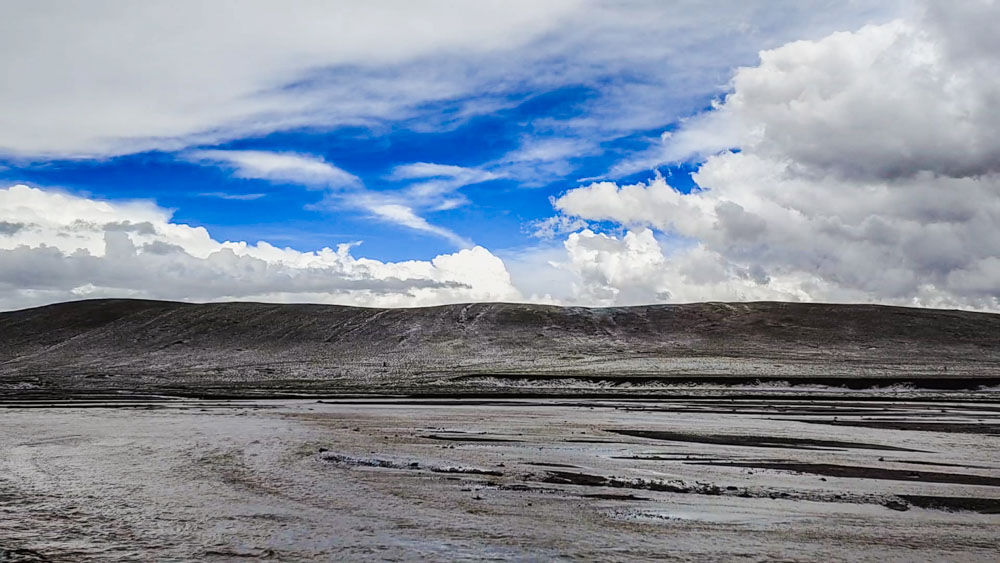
(86, 88)
(310, 171)
(100, 80)
(404, 215)
(234, 197)
(435, 186)
(345, 190)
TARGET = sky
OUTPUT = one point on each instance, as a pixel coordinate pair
(571, 152)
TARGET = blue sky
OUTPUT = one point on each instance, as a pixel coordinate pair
(499, 212)
(544, 87)
(571, 151)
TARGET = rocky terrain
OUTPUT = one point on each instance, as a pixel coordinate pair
(269, 349)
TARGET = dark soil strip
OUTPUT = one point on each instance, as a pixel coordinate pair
(541, 464)
(467, 470)
(458, 396)
(849, 382)
(771, 410)
(571, 478)
(971, 504)
(854, 472)
(612, 496)
(894, 502)
(463, 438)
(586, 480)
(755, 441)
(834, 406)
(412, 466)
(430, 401)
(939, 464)
(668, 458)
(951, 427)
(21, 555)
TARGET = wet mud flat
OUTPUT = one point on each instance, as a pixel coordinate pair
(822, 479)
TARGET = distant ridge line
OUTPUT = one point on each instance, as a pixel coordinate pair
(148, 346)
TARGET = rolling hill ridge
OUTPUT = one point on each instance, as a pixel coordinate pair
(156, 346)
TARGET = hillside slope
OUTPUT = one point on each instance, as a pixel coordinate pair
(155, 346)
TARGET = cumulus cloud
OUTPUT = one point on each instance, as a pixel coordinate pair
(66, 246)
(884, 102)
(635, 269)
(867, 171)
(9, 228)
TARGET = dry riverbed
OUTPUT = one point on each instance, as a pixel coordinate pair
(692, 479)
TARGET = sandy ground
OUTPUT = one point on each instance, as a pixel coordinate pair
(818, 480)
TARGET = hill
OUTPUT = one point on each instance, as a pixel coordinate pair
(252, 348)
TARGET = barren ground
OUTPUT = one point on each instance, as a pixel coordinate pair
(144, 430)
(529, 479)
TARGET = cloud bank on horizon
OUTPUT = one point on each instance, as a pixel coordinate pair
(801, 151)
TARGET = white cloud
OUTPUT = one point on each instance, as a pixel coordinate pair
(548, 150)
(883, 102)
(541, 160)
(438, 179)
(656, 204)
(867, 171)
(537, 161)
(56, 246)
(344, 189)
(697, 138)
(634, 269)
(308, 170)
(234, 197)
(554, 226)
(403, 215)
(432, 170)
(103, 79)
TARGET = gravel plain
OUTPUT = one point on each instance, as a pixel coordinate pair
(695, 479)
